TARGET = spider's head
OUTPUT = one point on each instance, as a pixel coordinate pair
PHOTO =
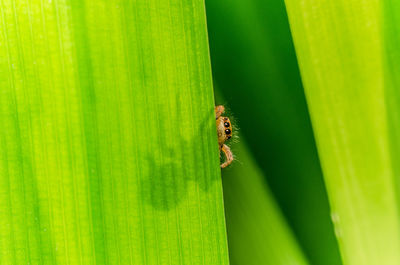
(224, 129)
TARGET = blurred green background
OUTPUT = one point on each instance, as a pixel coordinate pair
(256, 74)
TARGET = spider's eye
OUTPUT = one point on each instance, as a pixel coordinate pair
(227, 131)
(229, 137)
(226, 124)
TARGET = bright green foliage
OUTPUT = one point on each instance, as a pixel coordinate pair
(108, 151)
(258, 233)
(391, 40)
(341, 52)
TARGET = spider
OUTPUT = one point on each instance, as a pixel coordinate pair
(224, 130)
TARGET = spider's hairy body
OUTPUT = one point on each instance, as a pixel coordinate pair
(224, 131)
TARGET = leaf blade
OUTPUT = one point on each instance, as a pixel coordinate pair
(122, 146)
(340, 51)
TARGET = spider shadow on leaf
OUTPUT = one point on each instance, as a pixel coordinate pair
(164, 189)
(174, 165)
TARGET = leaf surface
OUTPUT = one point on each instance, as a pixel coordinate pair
(108, 144)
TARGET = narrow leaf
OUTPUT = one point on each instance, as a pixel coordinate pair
(340, 49)
(257, 231)
(254, 65)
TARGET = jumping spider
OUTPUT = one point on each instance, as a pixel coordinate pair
(224, 130)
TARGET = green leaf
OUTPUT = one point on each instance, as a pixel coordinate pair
(108, 149)
(341, 51)
(257, 231)
(391, 39)
(255, 67)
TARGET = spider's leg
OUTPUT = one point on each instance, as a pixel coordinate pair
(228, 154)
(218, 111)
